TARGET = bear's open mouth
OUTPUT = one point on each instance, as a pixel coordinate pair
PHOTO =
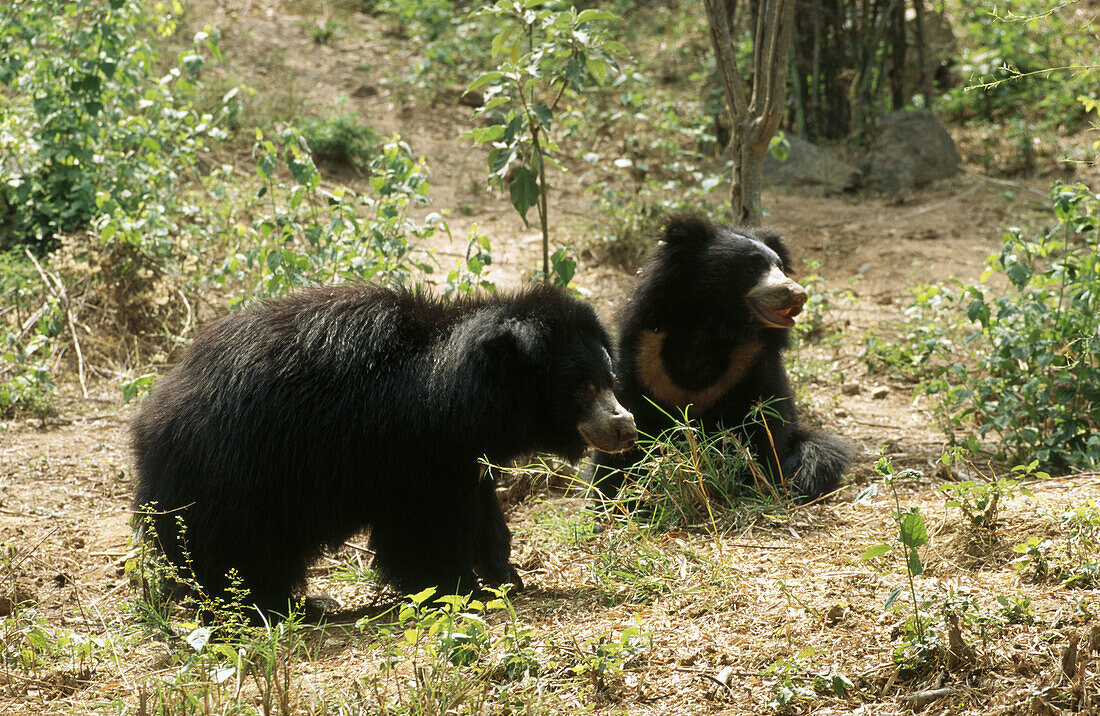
(782, 318)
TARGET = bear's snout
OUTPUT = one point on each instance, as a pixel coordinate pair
(607, 425)
(776, 299)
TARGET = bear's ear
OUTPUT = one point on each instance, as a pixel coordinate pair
(515, 339)
(688, 231)
(772, 239)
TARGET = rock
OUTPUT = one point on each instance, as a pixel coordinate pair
(809, 165)
(880, 392)
(472, 98)
(910, 148)
(851, 389)
(365, 91)
(835, 614)
(15, 595)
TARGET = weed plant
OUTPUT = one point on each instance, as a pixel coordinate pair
(929, 335)
(1073, 558)
(691, 477)
(979, 499)
(162, 585)
(1037, 381)
(912, 534)
(311, 236)
(469, 277)
(422, 20)
(1021, 365)
(25, 382)
(341, 139)
(461, 654)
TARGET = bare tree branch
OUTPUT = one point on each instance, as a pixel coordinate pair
(754, 120)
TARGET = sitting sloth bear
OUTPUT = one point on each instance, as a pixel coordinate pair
(704, 331)
(289, 427)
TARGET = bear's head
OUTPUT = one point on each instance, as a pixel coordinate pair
(560, 344)
(702, 269)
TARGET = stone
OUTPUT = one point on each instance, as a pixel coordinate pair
(910, 148)
(810, 165)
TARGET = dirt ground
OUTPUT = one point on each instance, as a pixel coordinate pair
(789, 583)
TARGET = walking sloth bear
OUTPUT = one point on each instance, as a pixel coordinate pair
(289, 427)
(704, 331)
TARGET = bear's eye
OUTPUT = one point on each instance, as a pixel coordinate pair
(585, 394)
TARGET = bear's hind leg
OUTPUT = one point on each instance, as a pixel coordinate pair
(817, 463)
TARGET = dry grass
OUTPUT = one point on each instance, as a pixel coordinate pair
(727, 618)
(731, 615)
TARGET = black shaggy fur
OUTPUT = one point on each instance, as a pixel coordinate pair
(689, 336)
(291, 426)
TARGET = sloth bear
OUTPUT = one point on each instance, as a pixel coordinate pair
(705, 328)
(289, 427)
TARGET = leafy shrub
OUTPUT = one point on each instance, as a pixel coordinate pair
(310, 236)
(663, 167)
(25, 383)
(444, 64)
(1070, 560)
(102, 147)
(545, 54)
(468, 276)
(87, 129)
(979, 499)
(341, 138)
(28, 327)
(423, 20)
(927, 334)
(1028, 56)
(1036, 385)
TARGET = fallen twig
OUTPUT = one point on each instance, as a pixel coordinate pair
(62, 295)
(920, 699)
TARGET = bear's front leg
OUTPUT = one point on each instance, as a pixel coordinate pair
(494, 544)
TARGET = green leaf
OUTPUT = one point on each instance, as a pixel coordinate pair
(422, 596)
(542, 113)
(516, 127)
(1019, 273)
(564, 267)
(576, 73)
(500, 42)
(913, 533)
(266, 166)
(893, 597)
(913, 564)
(484, 79)
(524, 192)
(876, 550)
(596, 16)
(617, 49)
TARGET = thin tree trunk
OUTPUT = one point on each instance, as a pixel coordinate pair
(922, 55)
(754, 118)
